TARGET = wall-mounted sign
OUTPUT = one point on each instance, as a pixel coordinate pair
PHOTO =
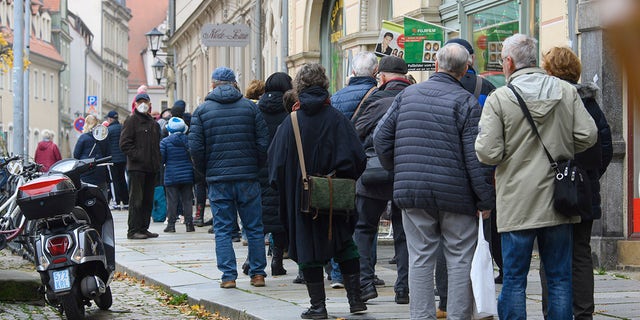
(422, 42)
(225, 35)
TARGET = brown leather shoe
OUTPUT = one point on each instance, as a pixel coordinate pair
(228, 284)
(441, 314)
(257, 280)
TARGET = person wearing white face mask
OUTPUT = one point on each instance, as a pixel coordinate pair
(140, 142)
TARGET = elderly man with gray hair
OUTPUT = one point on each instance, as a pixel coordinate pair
(363, 70)
(524, 177)
(426, 138)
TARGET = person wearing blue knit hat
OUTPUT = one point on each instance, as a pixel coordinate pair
(228, 139)
(178, 177)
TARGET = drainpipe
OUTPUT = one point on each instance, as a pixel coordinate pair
(257, 48)
(284, 39)
(18, 76)
(27, 39)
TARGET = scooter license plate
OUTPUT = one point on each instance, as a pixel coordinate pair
(61, 280)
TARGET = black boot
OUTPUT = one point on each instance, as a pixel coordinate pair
(245, 267)
(198, 221)
(190, 227)
(352, 285)
(277, 269)
(317, 298)
(171, 227)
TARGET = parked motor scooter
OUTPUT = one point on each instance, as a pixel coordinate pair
(74, 242)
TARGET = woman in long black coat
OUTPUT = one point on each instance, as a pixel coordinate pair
(330, 144)
(271, 105)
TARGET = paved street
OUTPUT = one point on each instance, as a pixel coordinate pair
(130, 300)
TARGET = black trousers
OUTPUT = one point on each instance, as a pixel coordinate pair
(179, 196)
(118, 171)
(402, 253)
(141, 185)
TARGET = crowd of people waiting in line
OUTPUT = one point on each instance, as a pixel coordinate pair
(458, 148)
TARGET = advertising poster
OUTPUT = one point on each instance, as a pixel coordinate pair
(422, 41)
(487, 44)
(391, 40)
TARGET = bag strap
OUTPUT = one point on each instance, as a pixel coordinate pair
(527, 115)
(305, 179)
(478, 88)
(355, 113)
(296, 134)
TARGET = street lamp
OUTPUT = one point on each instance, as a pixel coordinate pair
(153, 37)
(158, 70)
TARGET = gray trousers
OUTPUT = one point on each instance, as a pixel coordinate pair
(424, 231)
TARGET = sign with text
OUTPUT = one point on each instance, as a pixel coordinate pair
(225, 35)
(422, 42)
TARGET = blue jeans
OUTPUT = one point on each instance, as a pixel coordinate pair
(228, 199)
(555, 247)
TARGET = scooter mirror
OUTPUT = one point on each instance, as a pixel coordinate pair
(15, 167)
(100, 132)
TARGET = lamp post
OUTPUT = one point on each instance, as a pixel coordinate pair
(154, 39)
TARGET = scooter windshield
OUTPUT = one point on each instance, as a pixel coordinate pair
(63, 166)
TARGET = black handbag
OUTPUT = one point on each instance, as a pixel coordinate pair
(375, 174)
(572, 190)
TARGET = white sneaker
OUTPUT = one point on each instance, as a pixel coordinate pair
(337, 285)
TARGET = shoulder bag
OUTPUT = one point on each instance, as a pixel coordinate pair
(323, 194)
(572, 190)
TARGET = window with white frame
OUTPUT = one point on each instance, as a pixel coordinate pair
(35, 84)
(44, 86)
(52, 88)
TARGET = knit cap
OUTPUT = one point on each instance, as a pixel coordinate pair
(176, 124)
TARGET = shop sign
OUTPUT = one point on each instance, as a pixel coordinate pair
(336, 22)
(488, 44)
(422, 42)
(225, 35)
(391, 41)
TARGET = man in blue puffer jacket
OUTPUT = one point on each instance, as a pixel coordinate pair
(427, 137)
(228, 141)
(365, 66)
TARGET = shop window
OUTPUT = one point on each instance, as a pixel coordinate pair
(332, 30)
(489, 28)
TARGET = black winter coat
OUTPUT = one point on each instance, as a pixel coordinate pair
(330, 143)
(366, 122)
(427, 137)
(595, 159)
(140, 141)
(272, 107)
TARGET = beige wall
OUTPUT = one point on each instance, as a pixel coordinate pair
(554, 27)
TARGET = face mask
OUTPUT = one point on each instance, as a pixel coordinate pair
(142, 108)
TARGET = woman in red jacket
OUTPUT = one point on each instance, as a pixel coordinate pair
(47, 152)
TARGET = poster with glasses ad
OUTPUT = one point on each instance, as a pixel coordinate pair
(422, 42)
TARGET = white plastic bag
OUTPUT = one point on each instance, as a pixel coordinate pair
(484, 289)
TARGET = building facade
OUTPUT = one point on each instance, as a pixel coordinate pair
(44, 74)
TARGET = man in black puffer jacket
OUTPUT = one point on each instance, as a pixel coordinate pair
(229, 140)
(372, 198)
(427, 138)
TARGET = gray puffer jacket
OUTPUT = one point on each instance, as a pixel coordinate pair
(427, 137)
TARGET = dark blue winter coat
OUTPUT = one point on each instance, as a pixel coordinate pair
(228, 136)
(176, 159)
(347, 99)
(117, 156)
(427, 137)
